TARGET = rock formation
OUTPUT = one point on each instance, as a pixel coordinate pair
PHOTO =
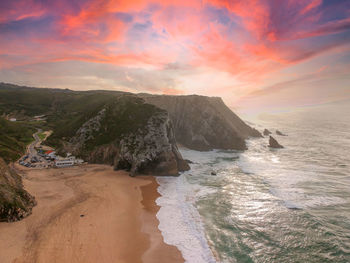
(130, 134)
(152, 150)
(204, 123)
(15, 202)
(266, 132)
(273, 143)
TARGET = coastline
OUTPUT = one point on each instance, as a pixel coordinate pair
(87, 214)
(180, 221)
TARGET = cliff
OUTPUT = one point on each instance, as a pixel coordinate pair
(129, 134)
(134, 132)
(15, 202)
(203, 123)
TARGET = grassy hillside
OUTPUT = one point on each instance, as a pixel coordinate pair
(14, 136)
(65, 110)
(123, 116)
(36, 101)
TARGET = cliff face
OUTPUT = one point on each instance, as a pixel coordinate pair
(130, 134)
(15, 202)
(203, 123)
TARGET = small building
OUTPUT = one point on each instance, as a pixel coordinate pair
(64, 163)
(79, 161)
(13, 119)
(51, 154)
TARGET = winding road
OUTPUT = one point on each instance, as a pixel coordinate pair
(31, 152)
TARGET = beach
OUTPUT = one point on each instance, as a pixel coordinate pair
(88, 213)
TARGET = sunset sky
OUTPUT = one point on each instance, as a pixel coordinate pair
(255, 54)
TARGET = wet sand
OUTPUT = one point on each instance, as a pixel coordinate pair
(87, 214)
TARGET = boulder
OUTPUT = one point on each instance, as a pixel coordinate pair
(273, 143)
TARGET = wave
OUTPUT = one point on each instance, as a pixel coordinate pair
(180, 222)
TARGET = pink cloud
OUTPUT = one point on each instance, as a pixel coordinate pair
(260, 37)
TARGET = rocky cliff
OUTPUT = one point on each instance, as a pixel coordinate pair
(15, 202)
(129, 134)
(203, 123)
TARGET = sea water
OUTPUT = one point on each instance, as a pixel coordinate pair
(266, 205)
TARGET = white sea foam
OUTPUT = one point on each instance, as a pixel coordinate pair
(285, 179)
(180, 222)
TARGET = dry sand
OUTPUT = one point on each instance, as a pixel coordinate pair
(87, 214)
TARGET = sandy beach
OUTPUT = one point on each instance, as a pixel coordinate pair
(87, 214)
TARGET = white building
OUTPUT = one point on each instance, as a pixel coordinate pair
(51, 154)
(13, 119)
(64, 163)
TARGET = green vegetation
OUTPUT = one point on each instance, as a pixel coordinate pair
(65, 112)
(123, 116)
(42, 136)
(14, 137)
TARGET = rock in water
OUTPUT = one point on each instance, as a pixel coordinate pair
(213, 173)
(15, 202)
(273, 143)
(204, 123)
(266, 132)
(280, 133)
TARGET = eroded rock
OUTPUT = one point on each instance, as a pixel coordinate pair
(266, 132)
(273, 143)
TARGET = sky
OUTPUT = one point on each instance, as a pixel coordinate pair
(261, 55)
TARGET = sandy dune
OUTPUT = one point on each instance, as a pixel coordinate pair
(87, 214)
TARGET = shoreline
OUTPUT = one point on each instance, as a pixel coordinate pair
(88, 214)
(180, 222)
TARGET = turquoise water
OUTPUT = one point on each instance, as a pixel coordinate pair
(285, 205)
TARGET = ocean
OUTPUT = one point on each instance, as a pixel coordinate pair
(266, 205)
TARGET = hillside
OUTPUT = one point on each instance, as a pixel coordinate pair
(15, 202)
(14, 137)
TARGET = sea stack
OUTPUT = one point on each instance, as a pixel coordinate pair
(273, 143)
(266, 132)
